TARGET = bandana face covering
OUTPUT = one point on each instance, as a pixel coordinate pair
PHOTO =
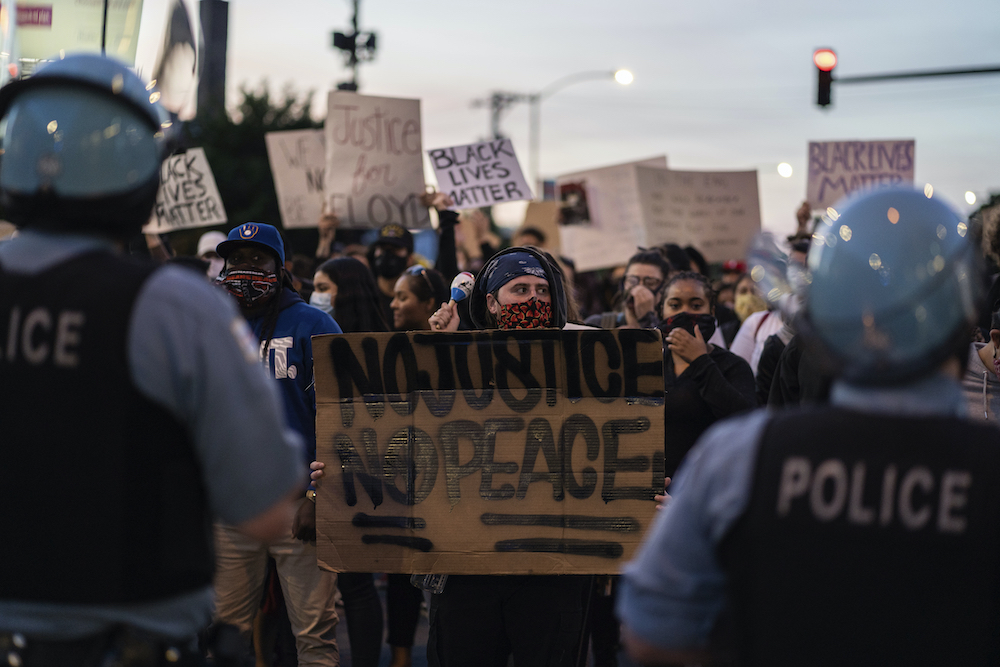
(530, 314)
(687, 321)
(251, 287)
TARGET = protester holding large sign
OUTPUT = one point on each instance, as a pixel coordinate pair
(480, 475)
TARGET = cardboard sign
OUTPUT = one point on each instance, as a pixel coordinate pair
(488, 452)
(838, 168)
(374, 161)
(614, 230)
(46, 27)
(188, 196)
(480, 174)
(717, 212)
(298, 164)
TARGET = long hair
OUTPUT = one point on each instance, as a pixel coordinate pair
(426, 284)
(357, 305)
(273, 309)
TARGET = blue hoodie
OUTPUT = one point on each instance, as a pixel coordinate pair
(290, 360)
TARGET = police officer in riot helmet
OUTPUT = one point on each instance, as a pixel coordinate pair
(866, 532)
(126, 390)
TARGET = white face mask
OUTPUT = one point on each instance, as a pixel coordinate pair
(321, 300)
(215, 267)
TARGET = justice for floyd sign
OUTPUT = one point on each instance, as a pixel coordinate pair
(839, 168)
(489, 452)
(188, 196)
(374, 161)
(480, 174)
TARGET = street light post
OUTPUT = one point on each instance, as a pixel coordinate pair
(535, 100)
(500, 102)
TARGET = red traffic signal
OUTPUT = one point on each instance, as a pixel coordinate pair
(825, 60)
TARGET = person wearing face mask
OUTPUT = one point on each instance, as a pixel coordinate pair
(703, 382)
(638, 294)
(206, 251)
(388, 257)
(482, 619)
(255, 276)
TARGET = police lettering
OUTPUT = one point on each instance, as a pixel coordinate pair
(39, 337)
(834, 490)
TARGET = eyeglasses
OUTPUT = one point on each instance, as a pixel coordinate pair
(417, 270)
(649, 282)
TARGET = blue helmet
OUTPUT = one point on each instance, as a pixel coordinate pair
(895, 286)
(83, 142)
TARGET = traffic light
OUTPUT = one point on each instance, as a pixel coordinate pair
(825, 60)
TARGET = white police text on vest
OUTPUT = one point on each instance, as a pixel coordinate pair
(41, 336)
(914, 496)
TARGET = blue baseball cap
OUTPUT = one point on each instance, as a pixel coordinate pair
(253, 233)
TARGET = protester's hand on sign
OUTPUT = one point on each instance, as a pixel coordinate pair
(663, 499)
(317, 472)
(445, 318)
(436, 200)
(304, 525)
(686, 346)
(640, 301)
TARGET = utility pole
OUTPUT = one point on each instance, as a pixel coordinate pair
(358, 47)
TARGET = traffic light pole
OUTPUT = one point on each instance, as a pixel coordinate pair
(914, 75)
(825, 60)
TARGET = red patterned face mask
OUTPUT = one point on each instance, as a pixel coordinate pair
(251, 287)
(530, 314)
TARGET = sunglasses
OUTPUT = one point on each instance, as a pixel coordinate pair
(417, 270)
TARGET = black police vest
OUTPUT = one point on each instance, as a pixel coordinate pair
(869, 540)
(101, 498)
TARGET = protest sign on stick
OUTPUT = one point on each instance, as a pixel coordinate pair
(374, 161)
(298, 164)
(480, 174)
(489, 452)
(839, 168)
(717, 212)
(188, 196)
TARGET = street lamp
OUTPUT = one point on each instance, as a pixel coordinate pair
(622, 76)
(500, 101)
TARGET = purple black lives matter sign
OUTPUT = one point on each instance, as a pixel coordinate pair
(839, 168)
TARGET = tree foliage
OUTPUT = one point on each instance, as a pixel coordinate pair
(234, 146)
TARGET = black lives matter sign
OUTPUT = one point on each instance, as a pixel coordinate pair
(188, 196)
(487, 452)
(480, 174)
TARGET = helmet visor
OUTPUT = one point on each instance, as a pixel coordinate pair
(75, 143)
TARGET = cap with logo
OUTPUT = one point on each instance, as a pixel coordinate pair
(253, 233)
(395, 235)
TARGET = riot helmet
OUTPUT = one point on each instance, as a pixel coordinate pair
(894, 286)
(83, 141)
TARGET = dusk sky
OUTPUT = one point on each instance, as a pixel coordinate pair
(719, 84)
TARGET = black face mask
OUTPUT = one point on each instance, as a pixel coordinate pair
(388, 265)
(687, 321)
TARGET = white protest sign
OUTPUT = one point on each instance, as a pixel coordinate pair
(188, 196)
(480, 174)
(374, 161)
(838, 168)
(614, 229)
(717, 212)
(298, 164)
